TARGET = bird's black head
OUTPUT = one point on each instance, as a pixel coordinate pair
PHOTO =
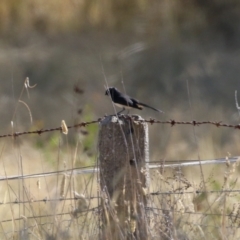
(110, 91)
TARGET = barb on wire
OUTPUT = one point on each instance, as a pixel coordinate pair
(193, 123)
(94, 210)
(194, 192)
(40, 131)
(131, 118)
(45, 200)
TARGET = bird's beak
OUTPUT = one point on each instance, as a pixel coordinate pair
(107, 92)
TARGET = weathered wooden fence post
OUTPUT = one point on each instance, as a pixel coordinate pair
(123, 153)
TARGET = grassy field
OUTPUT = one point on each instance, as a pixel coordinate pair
(192, 202)
(181, 57)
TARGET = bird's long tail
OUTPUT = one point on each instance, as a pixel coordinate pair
(145, 105)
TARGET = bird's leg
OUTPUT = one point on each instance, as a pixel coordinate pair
(121, 111)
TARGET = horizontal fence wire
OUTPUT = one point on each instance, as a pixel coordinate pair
(92, 169)
(92, 210)
(150, 121)
(97, 210)
(177, 192)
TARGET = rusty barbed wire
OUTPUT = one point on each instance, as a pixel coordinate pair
(97, 210)
(40, 131)
(193, 123)
(194, 192)
(132, 118)
(153, 194)
(47, 200)
(93, 210)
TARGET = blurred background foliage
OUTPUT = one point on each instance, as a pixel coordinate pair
(171, 54)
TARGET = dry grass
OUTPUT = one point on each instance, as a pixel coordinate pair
(183, 203)
(198, 206)
(190, 203)
(47, 207)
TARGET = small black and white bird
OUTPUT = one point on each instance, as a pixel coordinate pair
(126, 102)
